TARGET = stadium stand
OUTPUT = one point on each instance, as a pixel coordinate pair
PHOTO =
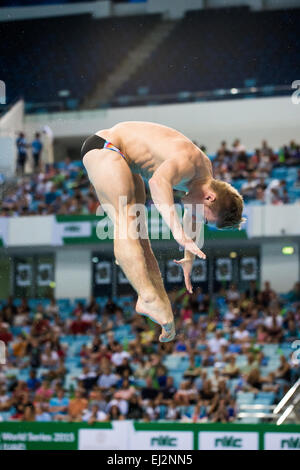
(221, 49)
(262, 177)
(69, 359)
(42, 57)
(70, 54)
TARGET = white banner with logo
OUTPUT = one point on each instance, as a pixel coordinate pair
(70, 230)
(228, 440)
(282, 441)
(116, 438)
(161, 440)
(124, 436)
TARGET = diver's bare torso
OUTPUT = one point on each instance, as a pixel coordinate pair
(147, 145)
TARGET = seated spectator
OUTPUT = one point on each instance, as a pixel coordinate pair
(45, 391)
(273, 324)
(200, 414)
(124, 367)
(261, 334)
(115, 414)
(252, 363)
(192, 370)
(4, 399)
(216, 342)
(149, 392)
(42, 414)
(77, 406)
(5, 334)
(119, 354)
(135, 408)
(58, 406)
(152, 410)
(241, 335)
(255, 382)
(221, 415)
(126, 392)
(19, 346)
(284, 370)
(186, 394)
(121, 403)
(206, 392)
(88, 378)
(107, 379)
(168, 391)
(231, 369)
(49, 357)
(79, 326)
(52, 308)
(173, 413)
(33, 383)
(292, 333)
(94, 415)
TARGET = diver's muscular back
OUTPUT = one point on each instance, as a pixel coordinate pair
(147, 145)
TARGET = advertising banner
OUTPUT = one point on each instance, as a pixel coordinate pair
(226, 440)
(281, 441)
(162, 440)
(130, 435)
(37, 436)
(116, 438)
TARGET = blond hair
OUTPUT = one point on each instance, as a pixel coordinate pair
(228, 205)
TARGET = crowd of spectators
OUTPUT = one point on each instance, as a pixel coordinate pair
(63, 188)
(234, 164)
(131, 379)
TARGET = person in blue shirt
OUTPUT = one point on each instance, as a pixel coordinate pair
(36, 146)
(33, 382)
(59, 406)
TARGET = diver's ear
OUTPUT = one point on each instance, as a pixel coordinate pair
(210, 196)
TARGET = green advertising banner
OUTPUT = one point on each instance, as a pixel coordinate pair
(128, 435)
(98, 229)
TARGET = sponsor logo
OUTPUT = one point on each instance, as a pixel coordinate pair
(282, 441)
(159, 440)
(164, 441)
(228, 441)
(292, 443)
(218, 440)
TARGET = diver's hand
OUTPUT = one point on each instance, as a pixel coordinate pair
(187, 265)
(189, 245)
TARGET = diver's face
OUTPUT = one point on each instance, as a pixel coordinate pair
(194, 199)
(209, 216)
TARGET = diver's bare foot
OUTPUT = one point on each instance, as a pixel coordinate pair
(168, 332)
(153, 310)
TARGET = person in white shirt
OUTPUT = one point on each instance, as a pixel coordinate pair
(119, 355)
(120, 403)
(94, 415)
(273, 318)
(216, 342)
(241, 334)
(232, 293)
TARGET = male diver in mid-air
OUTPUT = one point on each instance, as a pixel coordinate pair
(116, 159)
